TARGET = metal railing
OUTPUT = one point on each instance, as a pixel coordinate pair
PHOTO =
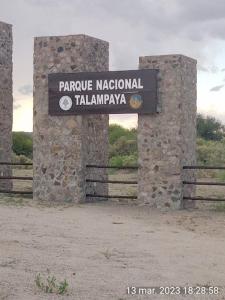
(112, 181)
(15, 164)
(127, 182)
(205, 183)
(2, 191)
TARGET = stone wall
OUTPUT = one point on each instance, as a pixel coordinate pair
(6, 102)
(63, 145)
(166, 141)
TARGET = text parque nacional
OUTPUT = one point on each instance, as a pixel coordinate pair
(98, 86)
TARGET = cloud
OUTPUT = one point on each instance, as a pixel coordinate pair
(133, 28)
(214, 69)
(211, 69)
(202, 69)
(16, 106)
(26, 89)
(217, 88)
(128, 121)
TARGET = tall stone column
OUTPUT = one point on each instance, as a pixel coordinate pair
(63, 145)
(6, 102)
(167, 140)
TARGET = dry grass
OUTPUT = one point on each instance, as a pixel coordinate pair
(23, 185)
(123, 189)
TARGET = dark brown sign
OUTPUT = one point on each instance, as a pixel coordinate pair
(119, 92)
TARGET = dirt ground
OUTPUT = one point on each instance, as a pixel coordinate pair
(103, 248)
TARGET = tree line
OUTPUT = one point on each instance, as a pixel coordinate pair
(123, 143)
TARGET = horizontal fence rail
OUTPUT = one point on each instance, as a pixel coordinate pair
(205, 183)
(15, 164)
(203, 199)
(16, 192)
(203, 168)
(15, 178)
(112, 181)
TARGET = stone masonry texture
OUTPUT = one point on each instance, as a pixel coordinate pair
(167, 140)
(6, 102)
(63, 145)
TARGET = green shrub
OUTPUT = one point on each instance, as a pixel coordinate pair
(22, 159)
(123, 146)
(209, 128)
(50, 284)
(22, 143)
(116, 161)
(130, 160)
(123, 160)
(211, 153)
(117, 131)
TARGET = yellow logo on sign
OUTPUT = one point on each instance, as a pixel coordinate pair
(136, 101)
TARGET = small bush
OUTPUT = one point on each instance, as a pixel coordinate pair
(209, 128)
(21, 159)
(123, 146)
(50, 285)
(211, 153)
(130, 160)
(116, 132)
(123, 160)
(116, 161)
(22, 143)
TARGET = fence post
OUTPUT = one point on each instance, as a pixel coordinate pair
(166, 141)
(63, 145)
(6, 103)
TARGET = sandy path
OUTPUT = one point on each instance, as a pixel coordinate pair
(101, 249)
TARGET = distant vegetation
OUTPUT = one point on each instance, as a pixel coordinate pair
(123, 143)
(123, 146)
(210, 145)
(209, 128)
(22, 144)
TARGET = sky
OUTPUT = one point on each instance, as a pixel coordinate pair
(133, 28)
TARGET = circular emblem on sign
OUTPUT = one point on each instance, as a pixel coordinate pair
(136, 101)
(65, 103)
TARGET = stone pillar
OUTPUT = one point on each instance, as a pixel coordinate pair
(167, 140)
(63, 145)
(6, 102)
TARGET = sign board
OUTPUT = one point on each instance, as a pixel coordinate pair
(119, 92)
